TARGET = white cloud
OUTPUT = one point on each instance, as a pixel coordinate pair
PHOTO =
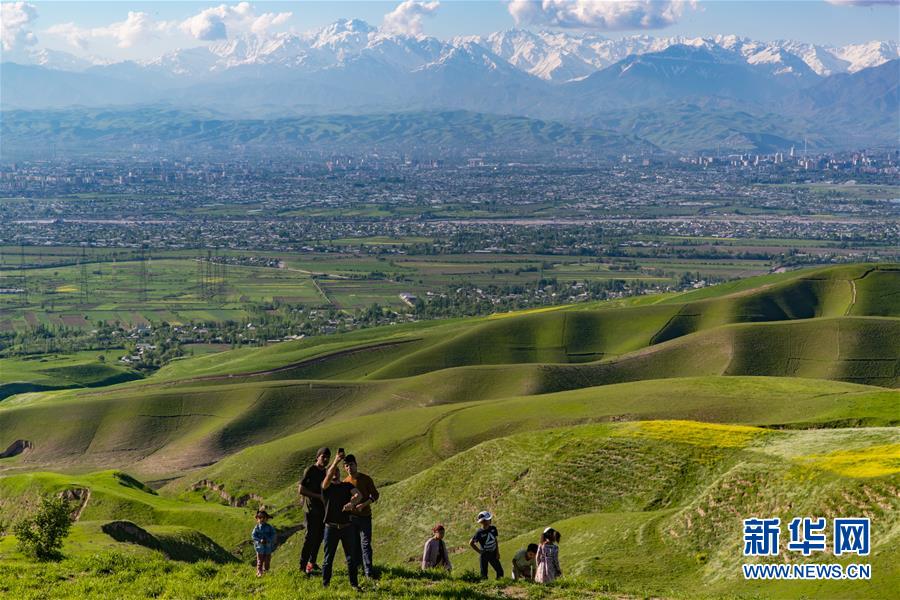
(608, 15)
(72, 33)
(136, 28)
(210, 24)
(407, 16)
(864, 2)
(219, 22)
(15, 17)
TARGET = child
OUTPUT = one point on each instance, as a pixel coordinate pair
(547, 557)
(264, 541)
(486, 537)
(435, 554)
(523, 564)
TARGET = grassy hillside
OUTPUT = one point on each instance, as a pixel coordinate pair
(578, 336)
(681, 476)
(166, 432)
(645, 507)
(400, 443)
(644, 432)
(52, 372)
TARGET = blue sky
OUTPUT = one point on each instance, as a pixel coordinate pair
(105, 29)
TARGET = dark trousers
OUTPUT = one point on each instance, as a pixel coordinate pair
(349, 540)
(315, 529)
(263, 562)
(491, 558)
(363, 527)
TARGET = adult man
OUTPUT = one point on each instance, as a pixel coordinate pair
(340, 498)
(523, 565)
(311, 489)
(361, 516)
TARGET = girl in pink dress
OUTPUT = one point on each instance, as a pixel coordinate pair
(547, 557)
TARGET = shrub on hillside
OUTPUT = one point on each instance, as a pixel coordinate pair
(41, 535)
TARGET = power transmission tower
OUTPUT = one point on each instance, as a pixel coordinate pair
(24, 273)
(210, 291)
(221, 279)
(142, 276)
(201, 280)
(85, 294)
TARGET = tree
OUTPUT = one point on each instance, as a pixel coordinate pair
(41, 535)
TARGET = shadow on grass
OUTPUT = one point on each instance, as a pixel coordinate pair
(386, 572)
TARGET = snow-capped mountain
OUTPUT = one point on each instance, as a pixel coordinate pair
(51, 59)
(557, 56)
(870, 54)
(554, 56)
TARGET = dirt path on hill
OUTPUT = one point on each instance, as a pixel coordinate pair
(853, 290)
(852, 298)
(84, 503)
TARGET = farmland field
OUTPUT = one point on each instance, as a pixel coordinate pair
(172, 293)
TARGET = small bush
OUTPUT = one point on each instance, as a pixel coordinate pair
(41, 535)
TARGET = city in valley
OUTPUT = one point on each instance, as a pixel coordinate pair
(158, 256)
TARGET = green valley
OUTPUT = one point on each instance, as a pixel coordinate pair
(644, 430)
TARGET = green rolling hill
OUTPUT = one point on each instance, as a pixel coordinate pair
(642, 432)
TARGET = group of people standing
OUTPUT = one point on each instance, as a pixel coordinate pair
(338, 512)
(537, 562)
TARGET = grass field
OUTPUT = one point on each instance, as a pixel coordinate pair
(172, 294)
(643, 430)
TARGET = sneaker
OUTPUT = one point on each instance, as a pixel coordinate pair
(309, 568)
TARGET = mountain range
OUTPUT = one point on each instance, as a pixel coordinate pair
(761, 94)
(556, 56)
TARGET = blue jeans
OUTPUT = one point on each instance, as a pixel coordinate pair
(363, 527)
(349, 540)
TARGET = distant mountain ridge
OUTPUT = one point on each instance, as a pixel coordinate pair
(556, 56)
(427, 134)
(784, 92)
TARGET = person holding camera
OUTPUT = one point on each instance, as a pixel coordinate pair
(340, 498)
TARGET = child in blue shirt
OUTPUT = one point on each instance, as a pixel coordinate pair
(264, 541)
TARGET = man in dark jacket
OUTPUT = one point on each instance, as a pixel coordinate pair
(361, 517)
(311, 489)
(340, 498)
